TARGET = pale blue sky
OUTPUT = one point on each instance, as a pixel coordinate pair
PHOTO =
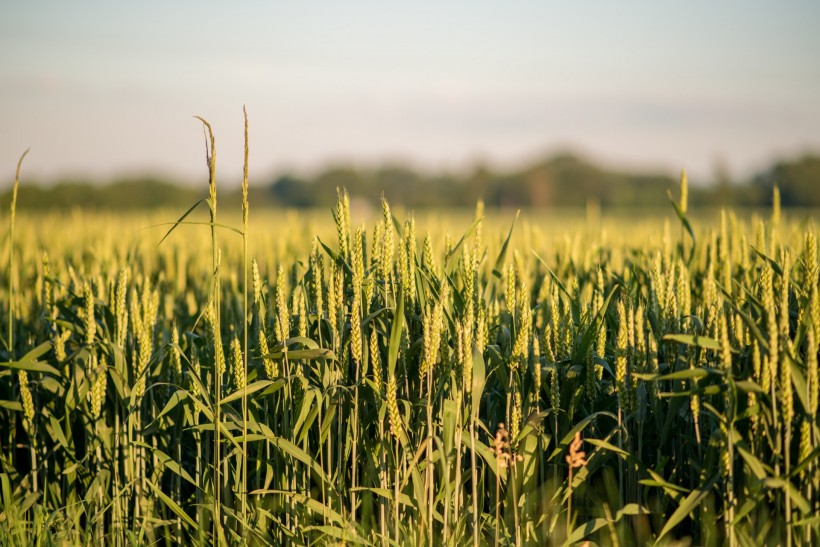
(107, 88)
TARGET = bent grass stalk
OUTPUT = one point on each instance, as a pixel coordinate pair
(245, 323)
(12, 271)
(210, 158)
(21, 375)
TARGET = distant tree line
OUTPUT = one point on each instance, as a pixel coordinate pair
(563, 180)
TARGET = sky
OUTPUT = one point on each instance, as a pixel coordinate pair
(109, 89)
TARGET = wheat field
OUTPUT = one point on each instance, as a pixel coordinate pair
(446, 378)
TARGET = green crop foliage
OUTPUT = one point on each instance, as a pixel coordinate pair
(378, 377)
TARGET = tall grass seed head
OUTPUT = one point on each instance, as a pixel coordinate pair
(375, 359)
(509, 293)
(97, 392)
(237, 363)
(725, 347)
(466, 346)
(122, 308)
(393, 415)
(215, 337)
(256, 283)
(356, 328)
(196, 369)
(387, 242)
(481, 329)
(621, 357)
(342, 217)
(515, 418)
(555, 388)
(271, 366)
(317, 268)
(536, 365)
(282, 325)
(25, 397)
(430, 344)
(89, 322)
(59, 345)
(771, 323)
(176, 360)
(410, 249)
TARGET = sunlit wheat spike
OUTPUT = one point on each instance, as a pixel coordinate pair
(393, 415)
(59, 345)
(481, 329)
(408, 262)
(271, 366)
(48, 290)
(520, 350)
(89, 322)
(784, 316)
(215, 339)
(317, 269)
(386, 255)
(555, 389)
(332, 307)
(302, 315)
(97, 392)
(515, 418)
(536, 367)
(256, 284)
(356, 327)
(342, 217)
(176, 360)
(25, 397)
(375, 360)
(237, 363)
(466, 350)
(621, 357)
(725, 348)
(430, 345)
(805, 446)
(509, 292)
(122, 308)
(771, 325)
(282, 318)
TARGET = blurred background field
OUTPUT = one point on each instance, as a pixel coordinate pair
(562, 181)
